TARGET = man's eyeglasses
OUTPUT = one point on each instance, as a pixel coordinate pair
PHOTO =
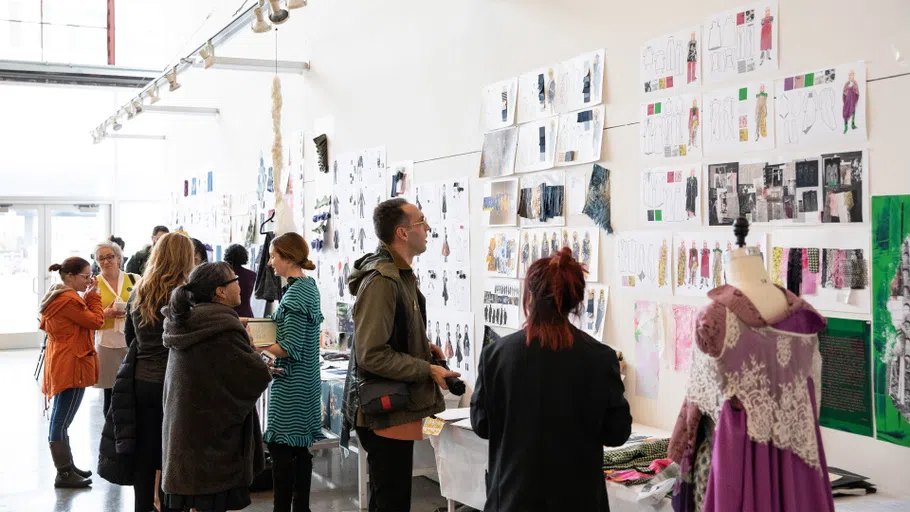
(421, 223)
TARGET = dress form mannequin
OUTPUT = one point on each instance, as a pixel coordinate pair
(745, 270)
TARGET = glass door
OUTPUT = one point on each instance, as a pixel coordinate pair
(32, 237)
(22, 273)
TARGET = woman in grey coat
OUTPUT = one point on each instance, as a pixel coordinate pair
(211, 438)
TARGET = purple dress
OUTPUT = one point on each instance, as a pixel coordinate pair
(753, 395)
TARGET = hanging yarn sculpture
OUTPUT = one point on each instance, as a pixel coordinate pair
(284, 219)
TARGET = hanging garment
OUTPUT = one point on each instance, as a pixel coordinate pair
(597, 202)
(839, 268)
(795, 270)
(809, 283)
(741, 369)
(267, 286)
(777, 255)
(813, 260)
(322, 152)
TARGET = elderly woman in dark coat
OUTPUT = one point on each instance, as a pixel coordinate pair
(211, 438)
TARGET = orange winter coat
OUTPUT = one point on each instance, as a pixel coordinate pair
(70, 358)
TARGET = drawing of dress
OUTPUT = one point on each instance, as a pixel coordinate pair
(718, 267)
(576, 252)
(714, 36)
(444, 208)
(691, 195)
(445, 290)
(761, 115)
(693, 265)
(416, 199)
(851, 99)
(693, 125)
(766, 39)
(692, 61)
(438, 340)
(586, 250)
(681, 266)
(458, 354)
(467, 343)
(590, 311)
(450, 352)
(554, 247)
(601, 312)
(662, 267)
(586, 87)
(361, 203)
(705, 267)
(535, 250)
(526, 254)
(445, 249)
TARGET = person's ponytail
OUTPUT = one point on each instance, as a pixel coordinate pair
(200, 288)
(180, 305)
(54, 268)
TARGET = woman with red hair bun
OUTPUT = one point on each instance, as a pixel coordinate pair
(549, 398)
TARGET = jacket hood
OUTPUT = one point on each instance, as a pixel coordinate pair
(50, 304)
(205, 321)
(381, 261)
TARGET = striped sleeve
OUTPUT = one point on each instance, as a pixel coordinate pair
(299, 319)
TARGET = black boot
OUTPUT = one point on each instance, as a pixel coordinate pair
(63, 461)
(84, 473)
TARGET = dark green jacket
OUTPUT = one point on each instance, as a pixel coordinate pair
(382, 283)
(136, 264)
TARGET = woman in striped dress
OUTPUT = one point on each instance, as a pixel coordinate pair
(294, 406)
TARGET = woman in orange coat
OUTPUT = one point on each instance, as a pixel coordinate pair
(71, 364)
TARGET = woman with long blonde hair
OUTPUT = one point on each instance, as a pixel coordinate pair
(168, 267)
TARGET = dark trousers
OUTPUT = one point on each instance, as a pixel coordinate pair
(149, 417)
(292, 471)
(391, 464)
(66, 403)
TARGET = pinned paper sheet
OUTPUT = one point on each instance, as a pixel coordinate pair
(432, 426)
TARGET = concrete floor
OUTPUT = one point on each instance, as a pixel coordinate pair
(27, 472)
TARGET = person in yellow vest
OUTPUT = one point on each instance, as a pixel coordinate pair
(115, 288)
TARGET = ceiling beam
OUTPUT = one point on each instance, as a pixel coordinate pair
(264, 65)
(180, 110)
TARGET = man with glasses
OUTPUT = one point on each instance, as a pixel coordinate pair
(391, 344)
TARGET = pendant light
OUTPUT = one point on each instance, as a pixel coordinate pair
(277, 15)
(260, 25)
(208, 54)
(172, 79)
(116, 122)
(296, 4)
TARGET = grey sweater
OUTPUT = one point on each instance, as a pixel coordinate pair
(211, 437)
(151, 356)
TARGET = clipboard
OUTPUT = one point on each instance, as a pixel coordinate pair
(263, 330)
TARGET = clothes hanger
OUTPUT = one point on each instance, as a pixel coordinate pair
(262, 226)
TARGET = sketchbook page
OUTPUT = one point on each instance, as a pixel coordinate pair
(501, 252)
(671, 127)
(832, 274)
(502, 303)
(537, 94)
(672, 62)
(642, 261)
(739, 119)
(822, 107)
(453, 333)
(500, 202)
(741, 41)
(542, 199)
(580, 136)
(498, 104)
(537, 145)
(670, 195)
(698, 265)
(581, 82)
(498, 155)
(592, 319)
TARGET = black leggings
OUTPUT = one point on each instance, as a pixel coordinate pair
(149, 417)
(292, 469)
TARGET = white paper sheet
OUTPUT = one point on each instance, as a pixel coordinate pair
(500, 202)
(466, 424)
(594, 311)
(583, 241)
(698, 265)
(671, 127)
(741, 41)
(826, 296)
(580, 137)
(671, 62)
(531, 185)
(498, 104)
(642, 261)
(537, 145)
(670, 195)
(454, 414)
(537, 94)
(501, 252)
(498, 155)
(738, 119)
(446, 329)
(502, 303)
(577, 181)
(825, 106)
(581, 82)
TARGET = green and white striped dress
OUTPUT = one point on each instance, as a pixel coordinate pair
(295, 411)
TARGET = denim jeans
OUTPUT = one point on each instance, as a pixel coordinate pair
(66, 403)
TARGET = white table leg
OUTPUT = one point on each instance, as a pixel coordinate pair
(451, 504)
(362, 478)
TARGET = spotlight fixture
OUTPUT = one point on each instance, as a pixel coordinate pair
(296, 4)
(172, 79)
(153, 94)
(96, 136)
(137, 105)
(260, 25)
(116, 122)
(277, 15)
(208, 54)
(130, 111)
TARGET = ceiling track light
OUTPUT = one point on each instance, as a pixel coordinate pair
(137, 105)
(96, 136)
(130, 111)
(153, 94)
(208, 54)
(116, 122)
(277, 15)
(296, 4)
(172, 79)
(260, 25)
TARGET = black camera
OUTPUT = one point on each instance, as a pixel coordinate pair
(456, 385)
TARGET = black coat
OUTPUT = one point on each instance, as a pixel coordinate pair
(118, 437)
(548, 415)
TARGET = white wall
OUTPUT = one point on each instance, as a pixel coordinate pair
(408, 74)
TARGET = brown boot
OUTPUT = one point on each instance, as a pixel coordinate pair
(63, 461)
(84, 473)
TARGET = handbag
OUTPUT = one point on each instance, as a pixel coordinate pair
(382, 396)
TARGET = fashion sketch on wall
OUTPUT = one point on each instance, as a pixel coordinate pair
(502, 303)
(537, 94)
(584, 242)
(501, 252)
(671, 195)
(498, 104)
(537, 145)
(581, 82)
(698, 265)
(580, 136)
(498, 155)
(741, 41)
(671, 62)
(541, 199)
(453, 332)
(642, 260)
(593, 317)
(671, 127)
(500, 202)
(739, 118)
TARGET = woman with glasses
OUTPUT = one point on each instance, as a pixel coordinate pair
(212, 445)
(115, 288)
(70, 364)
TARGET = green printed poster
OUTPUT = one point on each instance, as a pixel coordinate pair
(846, 380)
(891, 316)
